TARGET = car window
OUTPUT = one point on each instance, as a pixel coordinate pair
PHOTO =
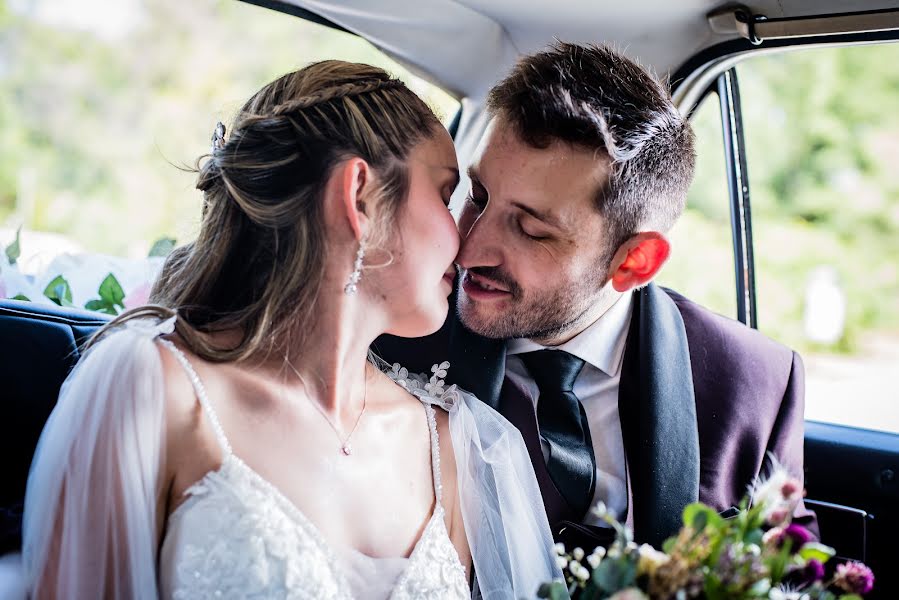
(822, 137)
(701, 266)
(104, 102)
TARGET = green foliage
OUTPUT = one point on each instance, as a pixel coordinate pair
(615, 574)
(162, 247)
(748, 557)
(59, 291)
(816, 551)
(111, 299)
(554, 591)
(699, 516)
(14, 250)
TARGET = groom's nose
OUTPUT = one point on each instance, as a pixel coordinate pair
(481, 241)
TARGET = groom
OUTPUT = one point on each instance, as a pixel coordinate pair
(624, 392)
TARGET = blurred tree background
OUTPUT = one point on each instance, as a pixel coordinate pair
(822, 136)
(101, 101)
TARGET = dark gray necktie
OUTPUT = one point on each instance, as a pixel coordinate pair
(563, 425)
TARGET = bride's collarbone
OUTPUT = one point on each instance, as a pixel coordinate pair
(385, 483)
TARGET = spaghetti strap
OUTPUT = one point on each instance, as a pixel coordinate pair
(435, 454)
(201, 395)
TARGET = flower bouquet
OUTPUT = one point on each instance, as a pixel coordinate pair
(757, 554)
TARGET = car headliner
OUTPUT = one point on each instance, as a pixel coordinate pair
(465, 46)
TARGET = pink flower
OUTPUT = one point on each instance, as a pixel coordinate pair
(791, 490)
(778, 516)
(796, 534)
(854, 577)
(813, 571)
(138, 296)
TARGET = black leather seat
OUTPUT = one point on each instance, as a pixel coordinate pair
(39, 345)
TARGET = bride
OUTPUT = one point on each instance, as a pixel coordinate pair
(233, 439)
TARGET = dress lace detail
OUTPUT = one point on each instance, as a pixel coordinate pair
(237, 535)
(431, 390)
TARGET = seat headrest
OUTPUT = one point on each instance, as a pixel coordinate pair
(39, 345)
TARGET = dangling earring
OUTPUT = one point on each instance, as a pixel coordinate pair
(356, 275)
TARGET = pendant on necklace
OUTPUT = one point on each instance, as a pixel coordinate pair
(346, 449)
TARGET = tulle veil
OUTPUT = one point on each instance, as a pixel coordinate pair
(91, 511)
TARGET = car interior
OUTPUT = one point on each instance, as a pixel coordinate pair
(851, 474)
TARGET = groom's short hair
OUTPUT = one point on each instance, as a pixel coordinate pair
(594, 97)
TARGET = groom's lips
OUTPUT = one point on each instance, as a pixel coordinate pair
(482, 289)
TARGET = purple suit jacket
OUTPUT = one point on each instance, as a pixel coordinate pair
(702, 400)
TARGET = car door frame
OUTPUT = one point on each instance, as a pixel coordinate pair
(851, 474)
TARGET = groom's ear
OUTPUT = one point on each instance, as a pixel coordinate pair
(638, 260)
(355, 178)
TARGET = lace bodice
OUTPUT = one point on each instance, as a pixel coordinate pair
(237, 536)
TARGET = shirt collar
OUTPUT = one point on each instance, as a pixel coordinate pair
(601, 344)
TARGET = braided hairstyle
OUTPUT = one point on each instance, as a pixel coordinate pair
(258, 261)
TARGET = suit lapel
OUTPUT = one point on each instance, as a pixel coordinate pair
(658, 417)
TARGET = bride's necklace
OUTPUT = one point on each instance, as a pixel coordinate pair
(345, 446)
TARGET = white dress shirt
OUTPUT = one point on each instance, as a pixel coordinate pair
(601, 346)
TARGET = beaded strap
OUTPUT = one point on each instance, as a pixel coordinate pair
(201, 396)
(435, 453)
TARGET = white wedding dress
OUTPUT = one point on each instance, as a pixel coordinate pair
(94, 481)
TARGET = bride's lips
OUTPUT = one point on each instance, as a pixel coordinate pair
(482, 289)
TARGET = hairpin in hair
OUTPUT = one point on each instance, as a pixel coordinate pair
(218, 136)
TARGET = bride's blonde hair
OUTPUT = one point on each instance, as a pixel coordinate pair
(257, 263)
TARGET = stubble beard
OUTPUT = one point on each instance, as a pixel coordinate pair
(546, 315)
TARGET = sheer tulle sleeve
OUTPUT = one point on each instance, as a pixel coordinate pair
(505, 522)
(90, 523)
(502, 508)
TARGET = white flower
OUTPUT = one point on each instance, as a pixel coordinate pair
(650, 559)
(778, 494)
(561, 562)
(593, 560)
(559, 548)
(786, 593)
(599, 510)
(578, 554)
(581, 572)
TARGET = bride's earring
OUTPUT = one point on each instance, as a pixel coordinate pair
(356, 275)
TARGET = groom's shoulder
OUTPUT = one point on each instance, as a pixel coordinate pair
(717, 339)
